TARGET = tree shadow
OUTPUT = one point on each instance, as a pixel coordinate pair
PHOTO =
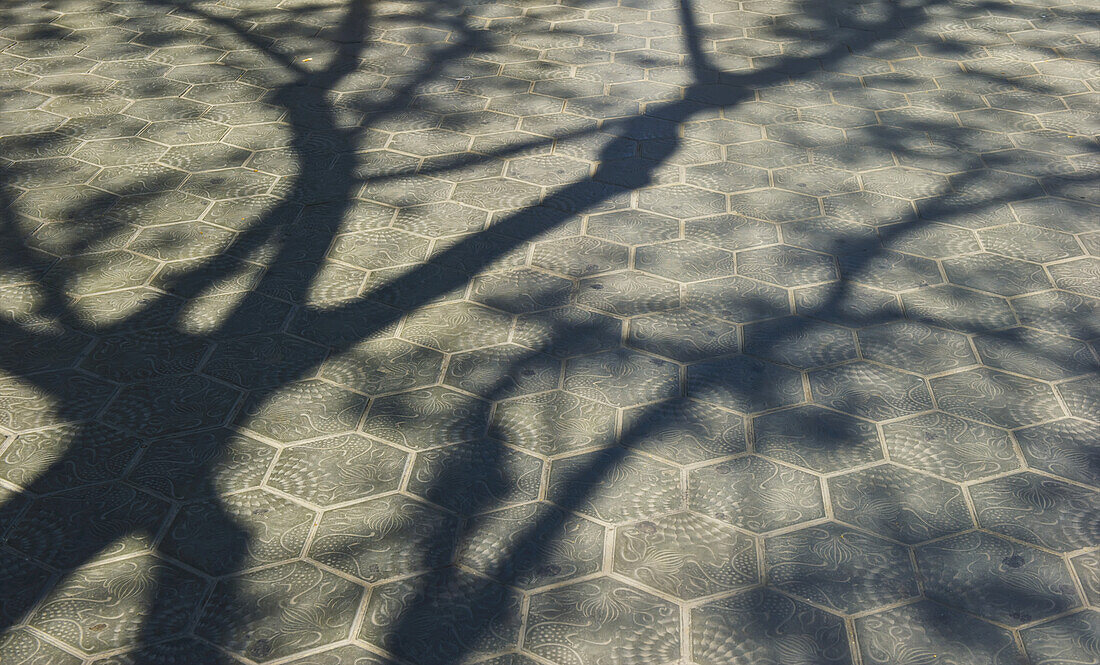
(448, 614)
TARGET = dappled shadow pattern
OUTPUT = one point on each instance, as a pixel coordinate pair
(612, 332)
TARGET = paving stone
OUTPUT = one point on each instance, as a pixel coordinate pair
(552, 326)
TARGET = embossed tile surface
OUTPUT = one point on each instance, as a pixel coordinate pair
(549, 332)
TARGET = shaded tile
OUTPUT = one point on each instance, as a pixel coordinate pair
(1069, 639)
(995, 578)
(473, 477)
(222, 535)
(744, 384)
(109, 595)
(755, 494)
(628, 294)
(91, 452)
(457, 327)
(686, 556)
(279, 611)
(470, 616)
(684, 431)
(302, 410)
(765, 627)
(816, 438)
(501, 545)
(171, 405)
(899, 504)
(427, 418)
(870, 391)
(950, 447)
(840, 568)
(553, 423)
(614, 485)
(567, 331)
(622, 378)
(1039, 510)
(801, 342)
(596, 620)
(996, 398)
(1065, 447)
(338, 469)
(926, 629)
(480, 372)
(384, 538)
(384, 366)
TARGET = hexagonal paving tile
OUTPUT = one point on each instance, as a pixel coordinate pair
(383, 248)
(786, 266)
(1077, 276)
(959, 309)
(457, 327)
(197, 465)
(1063, 447)
(553, 423)
(614, 485)
(684, 430)
(104, 272)
(888, 270)
(996, 274)
(668, 553)
(950, 447)
(765, 627)
(470, 616)
(170, 405)
(267, 607)
(302, 410)
(801, 342)
(427, 418)
(737, 299)
(261, 361)
(92, 452)
(524, 371)
(633, 227)
(744, 384)
(384, 538)
(22, 647)
(1038, 510)
(899, 504)
(683, 335)
(1035, 353)
(567, 331)
(384, 366)
(109, 595)
(475, 476)
(951, 637)
(732, 232)
(338, 469)
(628, 293)
(575, 622)
(621, 378)
(996, 398)
(870, 391)
(816, 438)
(684, 261)
(996, 578)
(1060, 312)
(755, 494)
(1064, 640)
(521, 290)
(580, 256)
(225, 534)
(502, 546)
(916, 347)
(840, 568)
(1082, 396)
